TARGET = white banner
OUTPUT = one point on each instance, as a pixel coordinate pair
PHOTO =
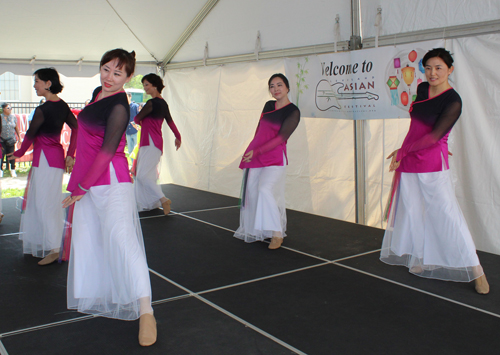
(358, 85)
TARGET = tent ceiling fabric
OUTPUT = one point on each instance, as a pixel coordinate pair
(231, 27)
(409, 16)
(61, 30)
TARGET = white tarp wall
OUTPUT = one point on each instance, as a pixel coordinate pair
(217, 110)
(402, 16)
(474, 141)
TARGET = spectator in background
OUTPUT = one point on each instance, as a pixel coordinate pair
(131, 132)
(8, 137)
(30, 117)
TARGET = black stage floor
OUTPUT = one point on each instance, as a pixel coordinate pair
(324, 292)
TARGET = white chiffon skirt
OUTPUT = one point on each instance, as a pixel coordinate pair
(108, 273)
(263, 212)
(427, 231)
(147, 191)
(42, 220)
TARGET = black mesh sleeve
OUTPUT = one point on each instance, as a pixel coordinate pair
(115, 128)
(145, 112)
(29, 137)
(443, 125)
(73, 124)
(289, 125)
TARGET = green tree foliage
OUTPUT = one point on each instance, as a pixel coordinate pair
(134, 83)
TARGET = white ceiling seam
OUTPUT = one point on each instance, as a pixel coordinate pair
(473, 29)
(137, 37)
(466, 30)
(188, 31)
(250, 57)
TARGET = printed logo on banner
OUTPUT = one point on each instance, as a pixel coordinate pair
(365, 84)
(329, 96)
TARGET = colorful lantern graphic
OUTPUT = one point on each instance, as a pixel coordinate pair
(393, 84)
(408, 76)
(412, 56)
(397, 63)
(404, 98)
(413, 98)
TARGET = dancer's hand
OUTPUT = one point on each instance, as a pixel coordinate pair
(70, 162)
(394, 164)
(247, 158)
(450, 153)
(177, 144)
(68, 201)
(11, 156)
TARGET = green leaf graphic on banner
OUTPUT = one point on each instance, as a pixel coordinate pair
(301, 80)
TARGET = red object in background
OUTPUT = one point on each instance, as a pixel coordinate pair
(412, 56)
(76, 111)
(23, 124)
(404, 98)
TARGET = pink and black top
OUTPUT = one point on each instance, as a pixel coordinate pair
(101, 141)
(426, 143)
(45, 134)
(274, 129)
(151, 119)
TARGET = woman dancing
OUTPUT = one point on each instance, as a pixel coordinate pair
(42, 217)
(263, 213)
(108, 273)
(426, 230)
(147, 192)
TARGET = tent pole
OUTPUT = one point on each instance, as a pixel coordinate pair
(189, 31)
(359, 127)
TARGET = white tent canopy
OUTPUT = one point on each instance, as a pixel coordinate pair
(216, 106)
(59, 32)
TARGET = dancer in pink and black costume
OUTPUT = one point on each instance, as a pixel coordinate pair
(108, 273)
(147, 192)
(42, 217)
(426, 229)
(263, 213)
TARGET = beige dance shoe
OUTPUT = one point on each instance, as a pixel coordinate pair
(417, 269)
(49, 259)
(482, 286)
(275, 243)
(147, 329)
(166, 206)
